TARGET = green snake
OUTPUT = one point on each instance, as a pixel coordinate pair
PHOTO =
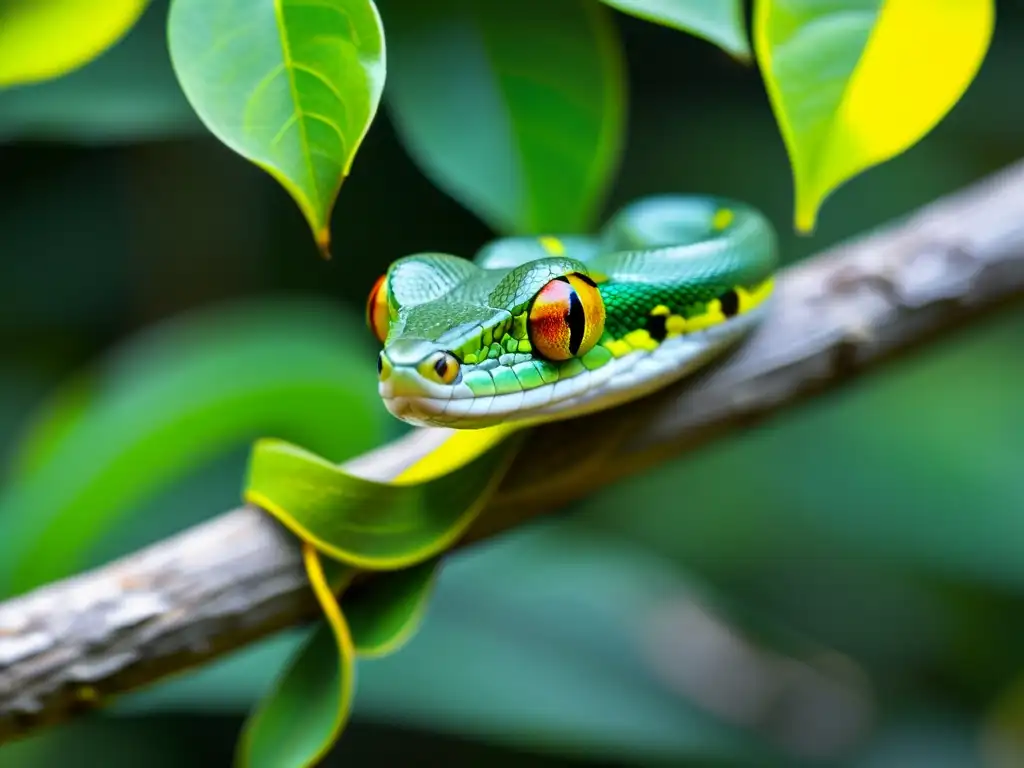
(535, 329)
(532, 329)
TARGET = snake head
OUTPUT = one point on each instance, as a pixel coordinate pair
(470, 347)
(545, 328)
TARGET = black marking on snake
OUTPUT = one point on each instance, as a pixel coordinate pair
(730, 302)
(576, 319)
(563, 278)
(656, 327)
(380, 363)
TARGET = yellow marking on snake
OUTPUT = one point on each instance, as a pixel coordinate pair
(675, 325)
(723, 218)
(552, 245)
(712, 316)
(640, 339)
(750, 298)
(618, 347)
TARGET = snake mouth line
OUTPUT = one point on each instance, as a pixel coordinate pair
(621, 379)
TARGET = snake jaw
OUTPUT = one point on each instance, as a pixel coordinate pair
(406, 409)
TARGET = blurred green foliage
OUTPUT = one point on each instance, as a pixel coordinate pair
(43, 40)
(841, 585)
(518, 78)
(171, 399)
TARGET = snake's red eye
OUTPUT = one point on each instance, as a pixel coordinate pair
(378, 317)
(566, 318)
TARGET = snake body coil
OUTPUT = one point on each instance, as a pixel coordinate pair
(541, 328)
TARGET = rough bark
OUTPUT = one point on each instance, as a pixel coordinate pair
(71, 645)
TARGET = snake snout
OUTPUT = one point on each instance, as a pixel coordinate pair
(384, 366)
(413, 363)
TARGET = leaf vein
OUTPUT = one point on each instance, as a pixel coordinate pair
(284, 129)
(265, 81)
(317, 74)
(289, 65)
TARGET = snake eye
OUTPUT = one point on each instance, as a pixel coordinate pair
(566, 317)
(442, 367)
(378, 318)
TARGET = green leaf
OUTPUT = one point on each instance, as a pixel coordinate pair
(170, 400)
(372, 524)
(520, 121)
(50, 427)
(292, 85)
(846, 92)
(127, 94)
(44, 39)
(307, 707)
(385, 611)
(718, 21)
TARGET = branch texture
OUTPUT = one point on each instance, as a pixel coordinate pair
(68, 647)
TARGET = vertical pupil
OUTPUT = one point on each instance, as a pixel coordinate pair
(441, 366)
(576, 319)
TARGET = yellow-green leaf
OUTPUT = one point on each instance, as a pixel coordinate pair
(292, 85)
(44, 39)
(718, 21)
(381, 525)
(856, 83)
(300, 719)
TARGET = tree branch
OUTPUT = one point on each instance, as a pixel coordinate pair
(71, 645)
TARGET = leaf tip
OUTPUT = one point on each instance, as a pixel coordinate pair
(807, 206)
(742, 56)
(323, 242)
(806, 222)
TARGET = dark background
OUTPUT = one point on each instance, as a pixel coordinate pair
(868, 545)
